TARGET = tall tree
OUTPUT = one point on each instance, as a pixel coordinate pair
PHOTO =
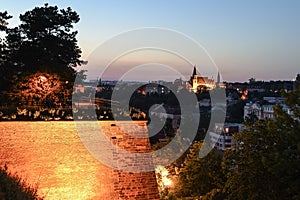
(4, 72)
(44, 42)
(3, 20)
(199, 176)
(266, 164)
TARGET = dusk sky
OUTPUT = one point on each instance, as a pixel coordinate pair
(259, 39)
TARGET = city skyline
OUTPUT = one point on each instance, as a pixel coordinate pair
(245, 39)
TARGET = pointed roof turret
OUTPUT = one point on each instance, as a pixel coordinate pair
(195, 71)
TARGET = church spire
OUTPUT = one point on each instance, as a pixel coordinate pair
(218, 78)
(195, 71)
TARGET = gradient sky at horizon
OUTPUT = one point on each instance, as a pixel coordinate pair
(246, 39)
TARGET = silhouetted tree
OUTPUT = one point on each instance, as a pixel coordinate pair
(266, 163)
(5, 73)
(199, 176)
(251, 118)
(44, 42)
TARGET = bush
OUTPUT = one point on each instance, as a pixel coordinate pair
(13, 187)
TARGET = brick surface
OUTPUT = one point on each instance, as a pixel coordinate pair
(51, 156)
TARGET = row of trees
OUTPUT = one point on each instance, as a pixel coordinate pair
(264, 165)
(44, 47)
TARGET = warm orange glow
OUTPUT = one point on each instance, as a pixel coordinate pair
(245, 94)
(42, 78)
(52, 157)
(162, 177)
(36, 88)
(166, 181)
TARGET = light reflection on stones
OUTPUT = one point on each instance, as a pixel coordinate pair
(51, 156)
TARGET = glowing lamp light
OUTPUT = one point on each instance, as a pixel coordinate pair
(42, 78)
(166, 181)
(245, 94)
(227, 130)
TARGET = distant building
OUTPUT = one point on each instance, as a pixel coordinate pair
(173, 113)
(279, 100)
(152, 88)
(204, 103)
(179, 84)
(162, 89)
(265, 109)
(200, 82)
(296, 82)
(220, 84)
(222, 135)
(79, 89)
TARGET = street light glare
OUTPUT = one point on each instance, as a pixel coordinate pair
(166, 181)
(42, 78)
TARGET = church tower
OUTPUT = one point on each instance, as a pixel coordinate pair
(220, 84)
(218, 78)
(194, 79)
(194, 72)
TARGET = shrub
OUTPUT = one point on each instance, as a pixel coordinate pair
(13, 187)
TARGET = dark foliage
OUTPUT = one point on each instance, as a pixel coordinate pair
(14, 187)
(44, 42)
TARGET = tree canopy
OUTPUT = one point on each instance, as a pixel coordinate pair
(264, 165)
(44, 42)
